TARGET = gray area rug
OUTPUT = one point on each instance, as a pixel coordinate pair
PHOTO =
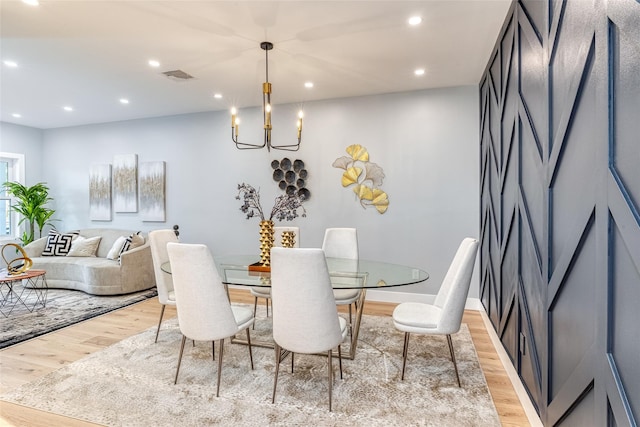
(131, 384)
(64, 307)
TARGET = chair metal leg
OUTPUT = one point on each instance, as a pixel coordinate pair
(213, 350)
(340, 360)
(184, 339)
(160, 321)
(220, 366)
(330, 369)
(453, 358)
(266, 302)
(350, 323)
(275, 378)
(250, 351)
(405, 350)
(255, 308)
(292, 353)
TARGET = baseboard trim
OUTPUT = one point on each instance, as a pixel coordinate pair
(529, 409)
(400, 297)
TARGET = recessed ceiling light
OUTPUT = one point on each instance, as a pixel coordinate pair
(124, 101)
(415, 20)
(217, 95)
(153, 63)
(419, 72)
(308, 85)
(10, 63)
(31, 2)
(67, 108)
(17, 115)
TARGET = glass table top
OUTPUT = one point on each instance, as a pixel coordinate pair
(344, 273)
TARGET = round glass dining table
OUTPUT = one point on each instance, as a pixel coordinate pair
(361, 274)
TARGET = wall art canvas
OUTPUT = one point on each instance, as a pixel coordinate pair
(125, 183)
(100, 192)
(152, 191)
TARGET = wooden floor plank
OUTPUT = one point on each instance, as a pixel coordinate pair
(25, 362)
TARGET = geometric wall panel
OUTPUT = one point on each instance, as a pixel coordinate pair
(575, 33)
(532, 190)
(624, 60)
(536, 13)
(532, 300)
(624, 337)
(582, 414)
(572, 316)
(560, 205)
(576, 163)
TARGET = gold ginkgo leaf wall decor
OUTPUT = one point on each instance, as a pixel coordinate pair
(364, 177)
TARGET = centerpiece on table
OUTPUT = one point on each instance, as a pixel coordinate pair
(285, 208)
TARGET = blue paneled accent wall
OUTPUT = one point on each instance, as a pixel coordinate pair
(560, 206)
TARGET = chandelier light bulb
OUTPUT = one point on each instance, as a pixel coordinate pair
(300, 114)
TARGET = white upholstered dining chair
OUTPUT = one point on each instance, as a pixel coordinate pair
(265, 292)
(158, 240)
(305, 317)
(342, 243)
(204, 310)
(444, 316)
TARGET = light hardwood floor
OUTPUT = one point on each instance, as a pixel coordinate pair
(32, 359)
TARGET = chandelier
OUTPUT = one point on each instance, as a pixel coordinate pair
(266, 114)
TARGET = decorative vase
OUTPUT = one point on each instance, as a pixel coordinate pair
(266, 242)
(288, 239)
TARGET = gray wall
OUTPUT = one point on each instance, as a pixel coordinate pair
(426, 142)
(27, 141)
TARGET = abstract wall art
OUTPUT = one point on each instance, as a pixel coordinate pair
(152, 191)
(100, 192)
(364, 177)
(125, 183)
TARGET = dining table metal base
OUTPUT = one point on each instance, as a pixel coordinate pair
(353, 335)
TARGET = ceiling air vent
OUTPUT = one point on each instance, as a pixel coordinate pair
(178, 75)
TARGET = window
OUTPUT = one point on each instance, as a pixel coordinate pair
(11, 169)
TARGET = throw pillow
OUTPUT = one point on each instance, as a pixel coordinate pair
(132, 242)
(114, 252)
(58, 244)
(137, 240)
(83, 246)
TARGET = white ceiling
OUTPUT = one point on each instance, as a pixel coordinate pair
(89, 53)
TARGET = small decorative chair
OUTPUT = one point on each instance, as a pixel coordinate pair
(444, 316)
(204, 310)
(265, 292)
(305, 317)
(342, 243)
(158, 240)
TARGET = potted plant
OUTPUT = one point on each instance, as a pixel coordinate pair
(30, 205)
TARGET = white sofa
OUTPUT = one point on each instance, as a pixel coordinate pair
(97, 275)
